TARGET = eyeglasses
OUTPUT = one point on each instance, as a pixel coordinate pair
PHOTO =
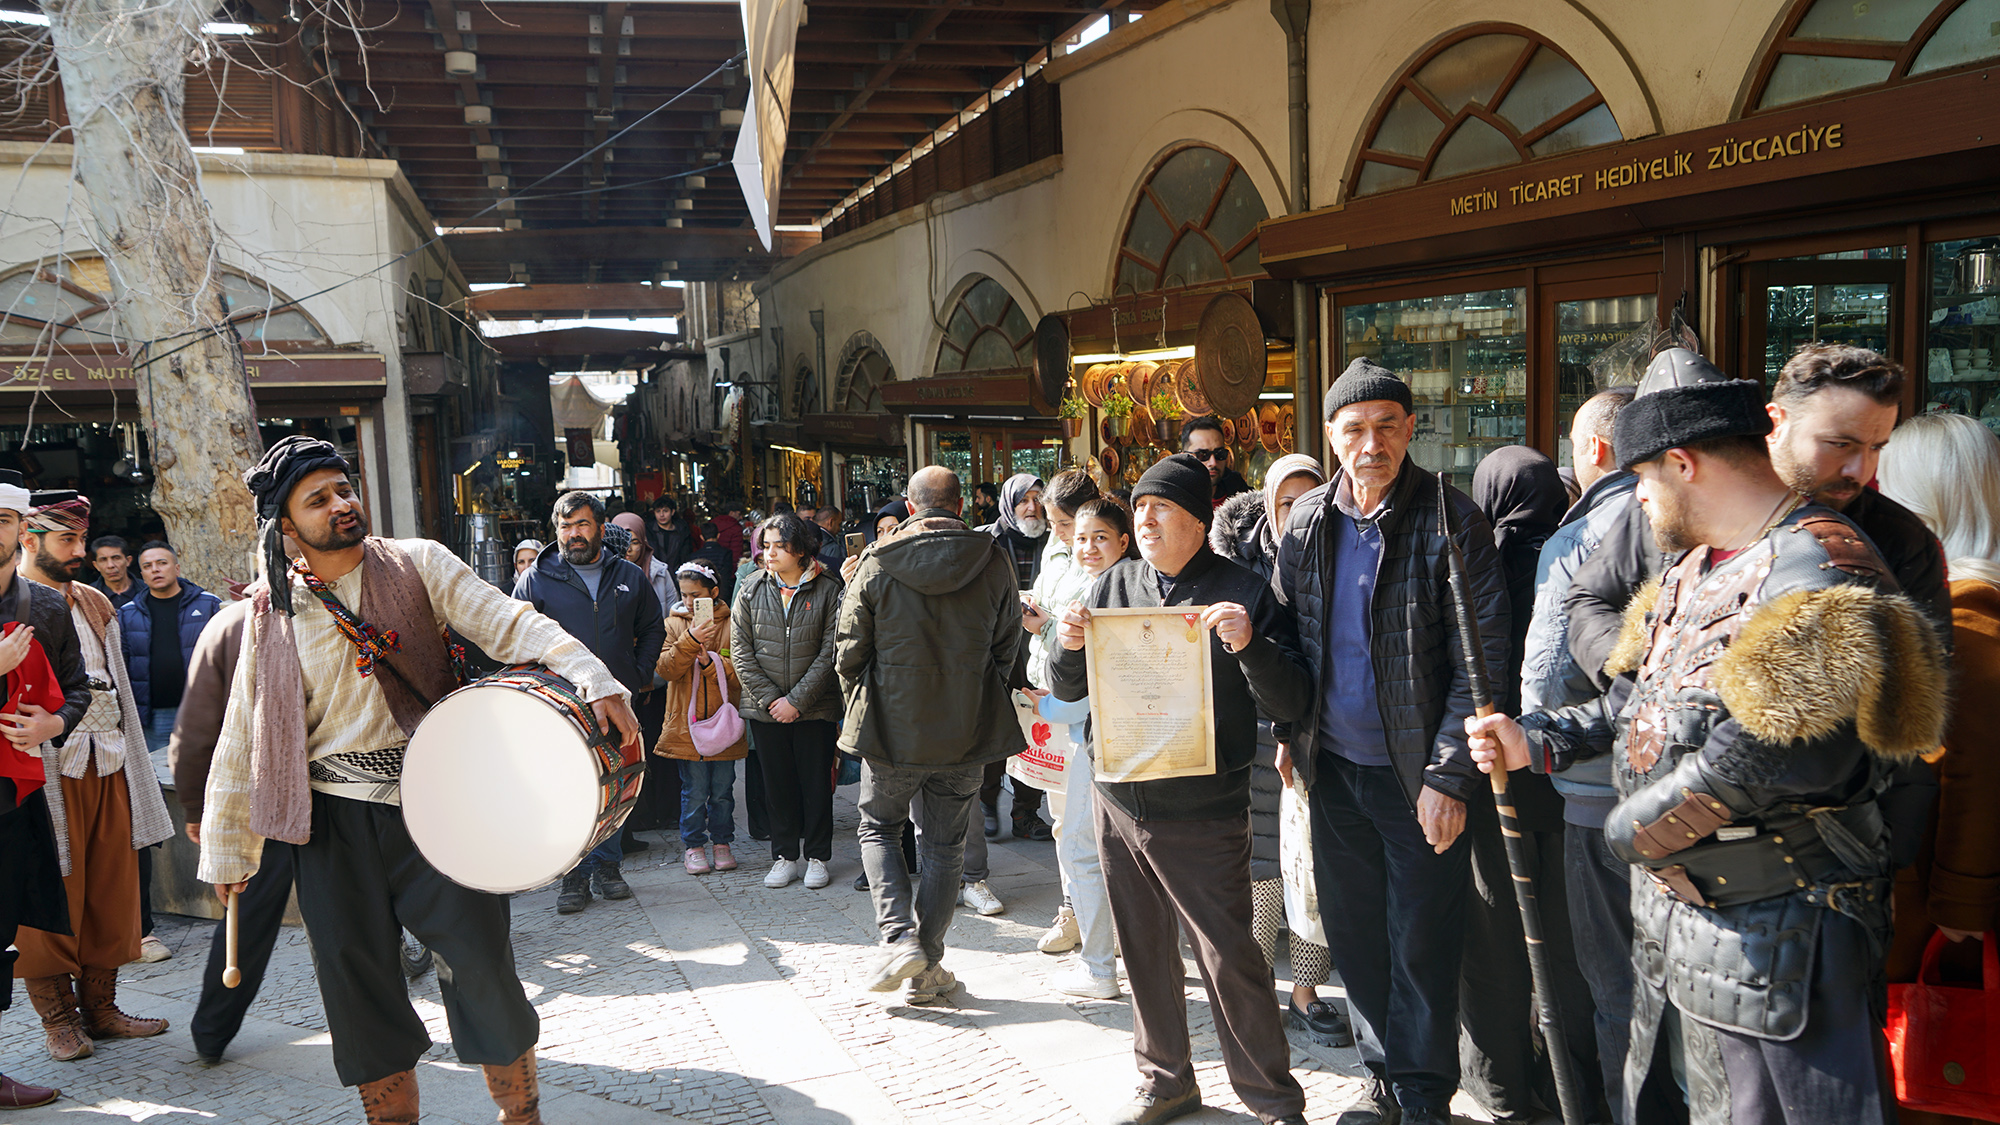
(1209, 454)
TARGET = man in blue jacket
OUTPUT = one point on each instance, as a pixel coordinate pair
(160, 628)
(605, 601)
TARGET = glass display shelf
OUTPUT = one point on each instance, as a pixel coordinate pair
(1587, 332)
(1960, 372)
(1855, 314)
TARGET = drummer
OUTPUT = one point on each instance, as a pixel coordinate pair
(344, 654)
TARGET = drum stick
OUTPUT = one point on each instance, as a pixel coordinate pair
(231, 975)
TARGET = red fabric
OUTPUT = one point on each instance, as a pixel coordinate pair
(33, 682)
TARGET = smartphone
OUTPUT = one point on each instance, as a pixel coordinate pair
(855, 542)
(702, 610)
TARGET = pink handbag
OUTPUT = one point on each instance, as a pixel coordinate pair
(720, 731)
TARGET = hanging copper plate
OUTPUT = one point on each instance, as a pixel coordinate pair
(1229, 346)
(1228, 433)
(1140, 380)
(1142, 425)
(1187, 388)
(1108, 457)
(1288, 428)
(1267, 426)
(1091, 386)
(1247, 432)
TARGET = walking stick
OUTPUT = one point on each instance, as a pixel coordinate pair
(231, 975)
(1548, 1015)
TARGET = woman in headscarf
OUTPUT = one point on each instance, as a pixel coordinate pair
(1020, 527)
(1246, 530)
(641, 554)
(887, 518)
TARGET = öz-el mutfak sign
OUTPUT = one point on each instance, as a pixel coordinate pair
(113, 373)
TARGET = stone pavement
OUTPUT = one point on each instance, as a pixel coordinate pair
(709, 1000)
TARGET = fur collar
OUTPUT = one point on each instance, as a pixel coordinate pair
(1240, 533)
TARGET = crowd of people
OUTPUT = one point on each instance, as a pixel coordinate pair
(1721, 649)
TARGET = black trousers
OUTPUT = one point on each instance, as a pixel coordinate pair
(260, 915)
(797, 763)
(31, 884)
(361, 883)
(660, 800)
(756, 807)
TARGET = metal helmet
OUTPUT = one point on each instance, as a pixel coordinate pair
(1679, 367)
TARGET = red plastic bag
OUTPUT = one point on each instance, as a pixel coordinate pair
(1944, 1040)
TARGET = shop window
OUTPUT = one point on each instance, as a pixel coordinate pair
(69, 299)
(1195, 223)
(1487, 100)
(986, 331)
(1833, 47)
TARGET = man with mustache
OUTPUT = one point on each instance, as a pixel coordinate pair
(343, 653)
(106, 809)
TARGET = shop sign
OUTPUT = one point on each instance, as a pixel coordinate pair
(867, 429)
(951, 393)
(114, 372)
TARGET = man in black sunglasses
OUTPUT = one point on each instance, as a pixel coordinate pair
(1203, 438)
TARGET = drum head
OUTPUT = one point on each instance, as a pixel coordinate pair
(500, 792)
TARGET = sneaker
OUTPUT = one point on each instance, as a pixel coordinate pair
(575, 894)
(861, 881)
(899, 963)
(817, 875)
(152, 950)
(1032, 827)
(695, 862)
(782, 872)
(610, 884)
(1376, 1107)
(725, 860)
(1145, 1108)
(980, 897)
(1078, 980)
(928, 987)
(1062, 935)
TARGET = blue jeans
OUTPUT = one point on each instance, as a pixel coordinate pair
(161, 727)
(708, 802)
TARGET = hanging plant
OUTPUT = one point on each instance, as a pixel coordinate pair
(1164, 405)
(1118, 413)
(1072, 407)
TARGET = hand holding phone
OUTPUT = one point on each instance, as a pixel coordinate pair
(856, 541)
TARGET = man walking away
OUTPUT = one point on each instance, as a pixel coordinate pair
(113, 560)
(1177, 851)
(606, 602)
(160, 633)
(932, 615)
(1382, 742)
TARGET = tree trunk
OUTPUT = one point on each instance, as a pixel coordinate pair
(123, 66)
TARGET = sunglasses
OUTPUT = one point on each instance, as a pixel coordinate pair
(1209, 454)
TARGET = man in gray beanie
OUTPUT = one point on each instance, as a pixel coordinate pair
(1381, 743)
(1177, 851)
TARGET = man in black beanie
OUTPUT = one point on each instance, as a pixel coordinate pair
(1177, 851)
(1381, 743)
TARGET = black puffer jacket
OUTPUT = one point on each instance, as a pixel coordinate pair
(1241, 533)
(623, 626)
(780, 655)
(1420, 680)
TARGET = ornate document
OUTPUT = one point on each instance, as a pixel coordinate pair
(1151, 699)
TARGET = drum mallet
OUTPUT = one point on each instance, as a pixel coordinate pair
(1548, 1015)
(231, 975)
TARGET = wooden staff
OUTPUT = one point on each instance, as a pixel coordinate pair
(231, 975)
(1547, 1014)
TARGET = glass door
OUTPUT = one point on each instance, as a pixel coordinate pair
(1848, 298)
(1964, 329)
(1597, 345)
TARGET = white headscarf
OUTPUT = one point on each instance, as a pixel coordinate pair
(1290, 465)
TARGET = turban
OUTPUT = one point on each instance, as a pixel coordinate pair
(61, 510)
(13, 495)
(271, 481)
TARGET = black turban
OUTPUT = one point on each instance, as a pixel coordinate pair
(271, 481)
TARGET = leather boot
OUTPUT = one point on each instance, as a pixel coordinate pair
(101, 1017)
(514, 1091)
(55, 1001)
(391, 1100)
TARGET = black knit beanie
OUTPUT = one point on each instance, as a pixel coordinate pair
(1183, 480)
(1673, 417)
(1366, 381)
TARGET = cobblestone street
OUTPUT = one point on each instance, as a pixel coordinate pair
(710, 1000)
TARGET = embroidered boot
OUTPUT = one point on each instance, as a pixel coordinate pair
(391, 1100)
(101, 1017)
(55, 1001)
(514, 1090)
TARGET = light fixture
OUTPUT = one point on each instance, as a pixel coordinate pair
(479, 115)
(461, 63)
(1277, 396)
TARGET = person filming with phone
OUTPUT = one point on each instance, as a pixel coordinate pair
(703, 731)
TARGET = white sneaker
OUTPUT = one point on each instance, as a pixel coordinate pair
(783, 871)
(817, 875)
(1078, 980)
(1062, 934)
(980, 897)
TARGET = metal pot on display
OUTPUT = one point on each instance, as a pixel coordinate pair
(1977, 267)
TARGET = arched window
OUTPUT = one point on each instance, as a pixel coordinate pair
(986, 331)
(869, 370)
(71, 298)
(1833, 46)
(1489, 98)
(1195, 223)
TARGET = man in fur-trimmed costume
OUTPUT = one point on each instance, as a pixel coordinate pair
(343, 653)
(106, 806)
(1770, 682)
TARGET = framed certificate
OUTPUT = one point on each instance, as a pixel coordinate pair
(1151, 693)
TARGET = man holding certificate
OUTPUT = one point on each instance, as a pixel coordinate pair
(1176, 651)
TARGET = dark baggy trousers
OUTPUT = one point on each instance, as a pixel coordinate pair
(797, 762)
(1395, 924)
(31, 883)
(1600, 914)
(943, 815)
(260, 915)
(361, 883)
(660, 800)
(1193, 876)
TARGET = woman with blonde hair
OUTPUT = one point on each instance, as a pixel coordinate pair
(1946, 469)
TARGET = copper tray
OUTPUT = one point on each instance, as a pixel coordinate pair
(1288, 428)
(1229, 343)
(1139, 381)
(1142, 425)
(1108, 457)
(1091, 386)
(1247, 432)
(1267, 426)
(1228, 433)
(1187, 388)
